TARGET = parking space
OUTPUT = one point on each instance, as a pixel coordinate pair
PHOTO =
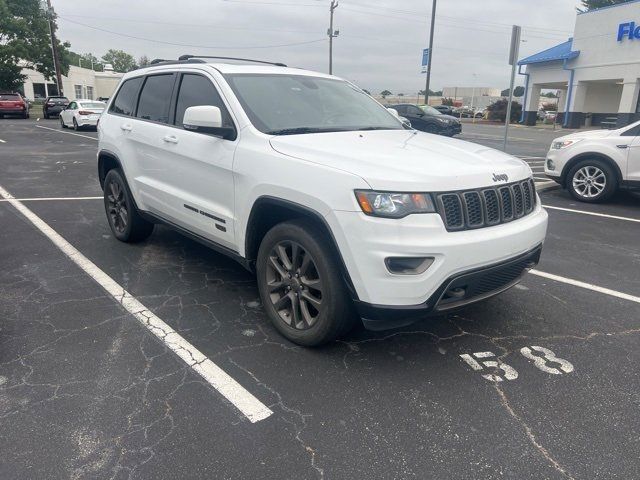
(538, 382)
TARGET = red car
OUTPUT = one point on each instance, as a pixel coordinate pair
(13, 104)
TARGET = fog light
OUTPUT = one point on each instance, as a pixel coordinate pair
(550, 165)
(408, 265)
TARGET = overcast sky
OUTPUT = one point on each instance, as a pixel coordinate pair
(379, 46)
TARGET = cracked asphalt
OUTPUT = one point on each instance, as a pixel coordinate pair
(86, 392)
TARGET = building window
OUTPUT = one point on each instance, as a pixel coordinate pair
(89, 93)
(78, 91)
(39, 90)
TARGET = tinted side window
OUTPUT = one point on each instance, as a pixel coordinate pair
(155, 98)
(125, 102)
(197, 90)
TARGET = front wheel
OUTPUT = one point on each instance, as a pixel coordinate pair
(124, 220)
(300, 284)
(592, 181)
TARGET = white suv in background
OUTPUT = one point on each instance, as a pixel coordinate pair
(594, 164)
(326, 195)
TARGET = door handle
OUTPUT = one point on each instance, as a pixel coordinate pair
(170, 139)
(126, 127)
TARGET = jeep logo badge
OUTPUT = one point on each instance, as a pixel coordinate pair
(501, 177)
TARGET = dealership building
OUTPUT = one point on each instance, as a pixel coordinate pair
(596, 72)
(78, 83)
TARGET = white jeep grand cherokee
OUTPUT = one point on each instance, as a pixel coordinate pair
(325, 194)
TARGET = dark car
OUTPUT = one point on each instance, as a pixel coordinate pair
(54, 105)
(428, 119)
(13, 104)
(445, 109)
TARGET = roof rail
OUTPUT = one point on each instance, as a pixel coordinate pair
(195, 57)
(161, 61)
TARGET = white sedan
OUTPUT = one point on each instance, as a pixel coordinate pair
(82, 113)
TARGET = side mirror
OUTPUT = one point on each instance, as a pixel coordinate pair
(394, 112)
(207, 119)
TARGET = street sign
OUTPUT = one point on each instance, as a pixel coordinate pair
(425, 60)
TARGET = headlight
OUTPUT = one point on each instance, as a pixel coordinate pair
(394, 205)
(562, 144)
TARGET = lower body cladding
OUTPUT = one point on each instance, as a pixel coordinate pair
(463, 267)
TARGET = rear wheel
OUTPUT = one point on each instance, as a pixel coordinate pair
(45, 116)
(75, 125)
(62, 122)
(300, 284)
(124, 220)
(592, 181)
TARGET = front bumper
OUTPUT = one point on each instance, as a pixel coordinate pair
(365, 242)
(456, 292)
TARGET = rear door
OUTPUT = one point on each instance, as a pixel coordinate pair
(67, 114)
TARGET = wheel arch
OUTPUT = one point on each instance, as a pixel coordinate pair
(106, 161)
(268, 211)
(590, 155)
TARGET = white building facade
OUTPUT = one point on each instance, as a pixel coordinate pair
(78, 83)
(597, 71)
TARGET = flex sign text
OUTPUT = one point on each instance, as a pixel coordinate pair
(628, 30)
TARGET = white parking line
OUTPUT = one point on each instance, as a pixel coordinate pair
(588, 286)
(68, 133)
(48, 199)
(2, 141)
(615, 217)
(242, 399)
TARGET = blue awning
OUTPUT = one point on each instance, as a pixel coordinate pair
(559, 52)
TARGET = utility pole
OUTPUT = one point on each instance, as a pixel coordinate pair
(332, 34)
(513, 61)
(54, 49)
(433, 24)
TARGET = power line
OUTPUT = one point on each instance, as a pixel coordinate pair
(190, 45)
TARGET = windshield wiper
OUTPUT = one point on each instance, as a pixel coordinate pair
(301, 130)
(375, 128)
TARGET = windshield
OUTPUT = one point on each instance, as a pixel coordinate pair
(93, 105)
(294, 104)
(430, 110)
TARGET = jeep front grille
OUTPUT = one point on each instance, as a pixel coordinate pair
(485, 207)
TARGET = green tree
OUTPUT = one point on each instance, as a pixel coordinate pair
(385, 93)
(593, 4)
(121, 61)
(448, 102)
(25, 42)
(517, 92)
(498, 110)
(84, 60)
(143, 61)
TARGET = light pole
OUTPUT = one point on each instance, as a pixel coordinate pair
(433, 23)
(332, 33)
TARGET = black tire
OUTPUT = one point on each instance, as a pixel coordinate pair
(62, 123)
(431, 129)
(75, 125)
(597, 187)
(45, 115)
(296, 295)
(124, 220)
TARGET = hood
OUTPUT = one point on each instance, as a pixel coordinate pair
(405, 160)
(587, 134)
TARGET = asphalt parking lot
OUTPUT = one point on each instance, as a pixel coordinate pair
(540, 382)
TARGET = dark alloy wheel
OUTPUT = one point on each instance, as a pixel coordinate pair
(124, 220)
(117, 208)
(295, 287)
(301, 284)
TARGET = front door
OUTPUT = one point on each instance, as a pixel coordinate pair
(190, 174)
